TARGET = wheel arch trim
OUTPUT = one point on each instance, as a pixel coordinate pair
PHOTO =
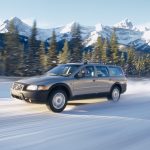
(61, 85)
(116, 84)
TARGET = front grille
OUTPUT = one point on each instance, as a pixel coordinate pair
(18, 86)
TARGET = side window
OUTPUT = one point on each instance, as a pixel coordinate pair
(88, 71)
(102, 71)
(115, 71)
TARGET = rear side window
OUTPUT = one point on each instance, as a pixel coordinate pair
(115, 71)
(102, 71)
(89, 71)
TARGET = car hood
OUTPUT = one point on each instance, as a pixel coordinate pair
(41, 80)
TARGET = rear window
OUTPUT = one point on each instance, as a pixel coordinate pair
(102, 71)
(115, 71)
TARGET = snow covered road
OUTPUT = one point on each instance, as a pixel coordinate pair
(84, 125)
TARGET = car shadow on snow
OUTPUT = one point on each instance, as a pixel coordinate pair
(129, 106)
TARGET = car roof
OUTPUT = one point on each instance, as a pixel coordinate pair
(100, 64)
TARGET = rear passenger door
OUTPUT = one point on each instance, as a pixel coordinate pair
(86, 84)
(102, 79)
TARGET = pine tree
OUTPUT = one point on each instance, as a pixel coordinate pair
(2, 62)
(139, 65)
(42, 59)
(84, 58)
(13, 51)
(89, 56)
(33, 41)
(64, 55)
(104, 52)
(76, 44)
(131, 70)
(114, 53)
(97, 53)
(108, 53)
(52, 54)
(147, 65)
(122, 60)
(33, 62)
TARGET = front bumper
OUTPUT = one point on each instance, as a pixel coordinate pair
(32, 96)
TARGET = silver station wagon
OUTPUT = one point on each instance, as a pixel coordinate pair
(71, 81)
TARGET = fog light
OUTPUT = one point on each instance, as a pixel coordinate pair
(43, 88)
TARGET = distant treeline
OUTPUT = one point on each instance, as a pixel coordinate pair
(37, 58)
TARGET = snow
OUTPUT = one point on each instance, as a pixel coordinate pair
(87, 124)
(125, 24)
(126, 36)
(94, 35)
(3, 27)
(92, 39)
(126, 32)
(143, 27)
(146, 36)
(67, 28)
(99, 27)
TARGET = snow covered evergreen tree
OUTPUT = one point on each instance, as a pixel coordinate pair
(131, 69)
(76, 44)
(104, 52)
(52, 54)
(139, 65)
(114, 53)
(31, 56)
(146, 70)
(97, 52)
(42, 59)
(64, 54)
(13, 51)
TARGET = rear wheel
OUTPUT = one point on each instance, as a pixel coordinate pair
(57, 101)
(114, 94)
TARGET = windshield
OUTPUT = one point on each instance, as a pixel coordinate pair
(63, 70)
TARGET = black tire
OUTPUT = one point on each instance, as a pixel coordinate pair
(114, 94)
(53, 101)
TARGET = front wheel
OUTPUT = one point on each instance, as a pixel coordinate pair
(114, 94)
(57, 101)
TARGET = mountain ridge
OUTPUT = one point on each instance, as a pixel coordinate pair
(127, 34)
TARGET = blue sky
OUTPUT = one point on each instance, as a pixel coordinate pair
(49, 13)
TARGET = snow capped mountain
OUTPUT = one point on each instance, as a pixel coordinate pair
(125, 24)
(146, 36)
(67, 28)
(127, 34)
(98, 30)
(25, 29)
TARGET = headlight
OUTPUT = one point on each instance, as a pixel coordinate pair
(37, 87)
(32, 87)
